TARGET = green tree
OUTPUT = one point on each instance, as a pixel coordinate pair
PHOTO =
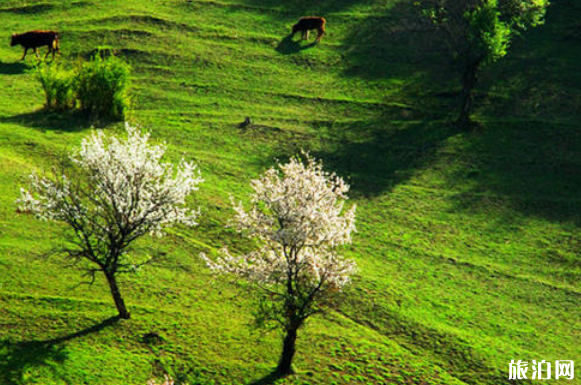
(479, 32)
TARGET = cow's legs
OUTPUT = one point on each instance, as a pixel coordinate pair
(307, 34)
(319, 35)
(36, 52)
(25, 52)
(48, 52)
(55, 48)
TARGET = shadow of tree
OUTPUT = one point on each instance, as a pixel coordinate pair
(13, 68)
(540, 77)
(16, 358)
(455, 354)
(531, 161)
(48, 120)
(305, 7)
(288, 46)
(373, 155)
(376, 156)
(532, 167)
(269, 379)
(399, 42)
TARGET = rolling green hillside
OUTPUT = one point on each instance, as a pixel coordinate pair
(468, 244)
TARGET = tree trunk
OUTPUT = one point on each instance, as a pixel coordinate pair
(119, 303)
(469, 80)
(288, 351)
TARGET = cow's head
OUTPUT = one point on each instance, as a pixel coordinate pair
(296, 28)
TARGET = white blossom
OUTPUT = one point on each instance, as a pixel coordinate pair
(298, 215)
(113, 192)
(127, 184)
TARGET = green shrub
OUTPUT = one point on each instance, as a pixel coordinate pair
(101, 87)
(98, 87)
(57, 84)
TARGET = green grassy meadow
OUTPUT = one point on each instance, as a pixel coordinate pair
(468, 243)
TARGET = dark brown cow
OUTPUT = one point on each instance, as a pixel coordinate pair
(35, 39)
(305, 24)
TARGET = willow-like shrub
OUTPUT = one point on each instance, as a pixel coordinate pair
(99, 88)
(58, 86)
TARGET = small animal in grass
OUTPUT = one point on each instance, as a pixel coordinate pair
(35, 39)
(247, 122)
(306, 24)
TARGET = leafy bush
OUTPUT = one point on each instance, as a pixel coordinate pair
(101, 87)
(57, 85)
(98, 87)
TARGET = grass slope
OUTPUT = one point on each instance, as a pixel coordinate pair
(468, 243)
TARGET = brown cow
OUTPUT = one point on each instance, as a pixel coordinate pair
(35, 39)
(305, 24)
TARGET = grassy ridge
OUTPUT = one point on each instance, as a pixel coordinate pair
(468, 244)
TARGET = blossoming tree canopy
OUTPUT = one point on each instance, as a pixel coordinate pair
(114, 191)
(298, 215)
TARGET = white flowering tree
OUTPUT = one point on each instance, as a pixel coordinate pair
(112, 192)
(297, 214)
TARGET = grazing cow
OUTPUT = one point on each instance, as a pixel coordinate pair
(35, 39)
(305, 24)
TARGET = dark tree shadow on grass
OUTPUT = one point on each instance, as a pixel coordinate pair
(373, 155)
(456, 354)
(397, 43)
(401, 45)
(288, 46)
(13, 68)
(532, 167)
(17, 358)
(540, 77)
(376, 156)
(46, 120)
(269, 379)
(304, 7)
(531, 162)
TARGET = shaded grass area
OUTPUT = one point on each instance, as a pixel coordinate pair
(379, 155)
(468, 244)
(19, 358)
(10, 68)
(44, 120)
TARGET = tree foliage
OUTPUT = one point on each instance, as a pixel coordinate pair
(479, 32)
